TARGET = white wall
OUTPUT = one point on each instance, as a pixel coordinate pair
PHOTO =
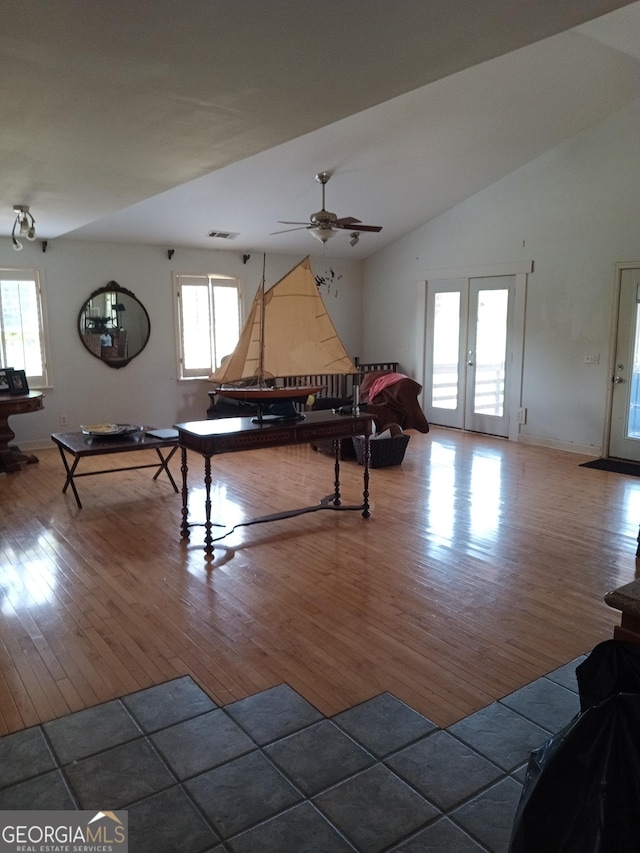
(576, 209)
(576, 212)
(146, 390)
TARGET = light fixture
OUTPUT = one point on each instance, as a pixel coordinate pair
(322, 233)
(25, 223)
(355, 238)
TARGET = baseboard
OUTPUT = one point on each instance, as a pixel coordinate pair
(583, 449)
(30, 446)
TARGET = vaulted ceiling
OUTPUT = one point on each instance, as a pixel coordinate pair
(160, 122)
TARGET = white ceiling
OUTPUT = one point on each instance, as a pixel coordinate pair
(158, 122)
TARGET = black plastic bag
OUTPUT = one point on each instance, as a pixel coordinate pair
(612, 667)
(582, 789)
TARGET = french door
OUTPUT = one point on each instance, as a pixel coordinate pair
(624, 431)
(468, 353)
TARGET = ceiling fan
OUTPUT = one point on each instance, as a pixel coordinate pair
(324, 224)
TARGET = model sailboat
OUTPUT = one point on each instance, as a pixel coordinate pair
(288, 333)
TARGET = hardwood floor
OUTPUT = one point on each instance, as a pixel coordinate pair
(483, 566)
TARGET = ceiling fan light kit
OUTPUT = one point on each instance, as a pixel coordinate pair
(324, 224)
(26, 225)
(322, 233)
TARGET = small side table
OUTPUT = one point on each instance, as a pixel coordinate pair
(15, 404)
(626, 599)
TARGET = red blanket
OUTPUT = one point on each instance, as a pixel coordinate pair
(393, 399)
(379, 383)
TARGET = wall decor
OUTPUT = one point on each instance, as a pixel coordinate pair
(17, 382)
(4, 383)
(114, 325)
(328, 281)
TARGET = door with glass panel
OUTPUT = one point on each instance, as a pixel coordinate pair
(468, 353)
(624, 433)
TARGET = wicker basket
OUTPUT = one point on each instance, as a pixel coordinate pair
(384, 451)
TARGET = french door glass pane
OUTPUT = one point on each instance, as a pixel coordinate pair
(446, 346)
(633, 422)
(491, 347)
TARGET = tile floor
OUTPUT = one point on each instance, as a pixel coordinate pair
(270, 774)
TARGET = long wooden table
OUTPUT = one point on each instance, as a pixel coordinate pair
(227, 435)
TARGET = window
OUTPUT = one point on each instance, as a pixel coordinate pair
(208, 322)
(22, 325)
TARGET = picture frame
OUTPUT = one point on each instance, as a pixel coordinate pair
(17, 382)
(4, 383)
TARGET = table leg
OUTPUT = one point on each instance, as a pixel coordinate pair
(163, 466)
(70, 473)
(184, 527)
(366, 513)
(13, 460)
(208, 539)
(8, 462)
(336, 476)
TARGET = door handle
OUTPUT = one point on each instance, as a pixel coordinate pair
(617, 380)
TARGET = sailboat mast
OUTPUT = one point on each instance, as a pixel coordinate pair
(261, 356)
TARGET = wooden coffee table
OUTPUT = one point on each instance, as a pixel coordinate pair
(77, 445)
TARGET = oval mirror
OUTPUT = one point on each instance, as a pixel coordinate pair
(114, 326)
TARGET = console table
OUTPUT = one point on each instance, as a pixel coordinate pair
(211, 437)
(15, 404)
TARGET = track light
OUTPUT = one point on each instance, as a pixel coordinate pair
(17, 245)
(26, 225)
(355, 238)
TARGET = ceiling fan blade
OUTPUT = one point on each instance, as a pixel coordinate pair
(286, 230)
(357, 226)
(286, 222)
(346, 221)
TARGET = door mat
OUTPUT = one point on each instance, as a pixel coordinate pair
(618, 466)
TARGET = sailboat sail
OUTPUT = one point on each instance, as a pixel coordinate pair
(288, 333)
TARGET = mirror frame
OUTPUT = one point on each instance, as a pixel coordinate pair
(112, 287)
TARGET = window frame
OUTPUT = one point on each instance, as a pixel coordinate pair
(208, 280)
(36, 275)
